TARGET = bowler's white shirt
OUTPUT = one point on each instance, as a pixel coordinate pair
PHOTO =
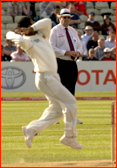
(60, 43)
(38, 47)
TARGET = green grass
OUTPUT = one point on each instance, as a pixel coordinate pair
(94, 134)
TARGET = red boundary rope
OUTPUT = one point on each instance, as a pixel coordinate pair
(43, 98)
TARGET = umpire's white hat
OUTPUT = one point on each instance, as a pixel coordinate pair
(64, 12)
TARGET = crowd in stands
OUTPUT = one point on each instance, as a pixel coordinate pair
(98, 39)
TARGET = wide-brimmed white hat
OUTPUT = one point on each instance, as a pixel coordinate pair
(107, 50)
(88, 28)
(64, 12)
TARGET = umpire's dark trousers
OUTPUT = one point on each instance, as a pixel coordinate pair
(68, 72)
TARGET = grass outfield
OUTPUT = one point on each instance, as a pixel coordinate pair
(94, 134)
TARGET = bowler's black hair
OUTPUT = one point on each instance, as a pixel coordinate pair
(24, 22)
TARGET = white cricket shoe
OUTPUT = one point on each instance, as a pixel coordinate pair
(79, 122)
(28, 136)
(72, 142)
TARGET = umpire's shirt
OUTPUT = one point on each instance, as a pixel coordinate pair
(60, 45)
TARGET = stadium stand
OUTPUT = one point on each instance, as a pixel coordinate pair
(93, 10)
(3, 32)
(37, 10)
(107, 11)
(11, 26)
(114, 12)
(82, 25)
(17, 18)
(4, 6)
(113, 18)
(81, 31)
(89, 5)
(3, 26)
(37, 6)
(6, 19)
(98, 18)
(3, 13)
(3, 42)
(113, 5)
(101, 5)
(2, 37)
(83, 18)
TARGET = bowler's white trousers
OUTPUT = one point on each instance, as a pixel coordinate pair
(61, 104)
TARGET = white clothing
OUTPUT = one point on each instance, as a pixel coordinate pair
(61, 104)
(92, 21)
(109, 44)
(84, 49)
(60, 43)
(24, 56)
(85, 37)
(61, 101)
(37, 47)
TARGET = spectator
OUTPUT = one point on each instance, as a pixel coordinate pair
(107, 55)
(84, 49)
(75, 19)
(19, 55)
(9, 48)
(53, 16)
(99, 50)
(92, 43)
(110, 43)
(32, 8)
(106, 24)
(4, 57)
(85, 2)
(113, 51)
(110, 29)
(26, 8)
(14, 8)
(80, 7)
(88, 33)
(92, 22)
(46, 8)
(91, 55)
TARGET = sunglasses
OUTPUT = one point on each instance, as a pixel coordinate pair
(66, 17)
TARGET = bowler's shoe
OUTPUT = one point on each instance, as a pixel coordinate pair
(28, 136)
(72, 142)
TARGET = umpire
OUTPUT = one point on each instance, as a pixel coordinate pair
(67, 47)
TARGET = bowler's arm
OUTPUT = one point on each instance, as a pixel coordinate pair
(44, 25)
(19, 40)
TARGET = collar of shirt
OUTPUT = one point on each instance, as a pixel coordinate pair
(64, 27)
